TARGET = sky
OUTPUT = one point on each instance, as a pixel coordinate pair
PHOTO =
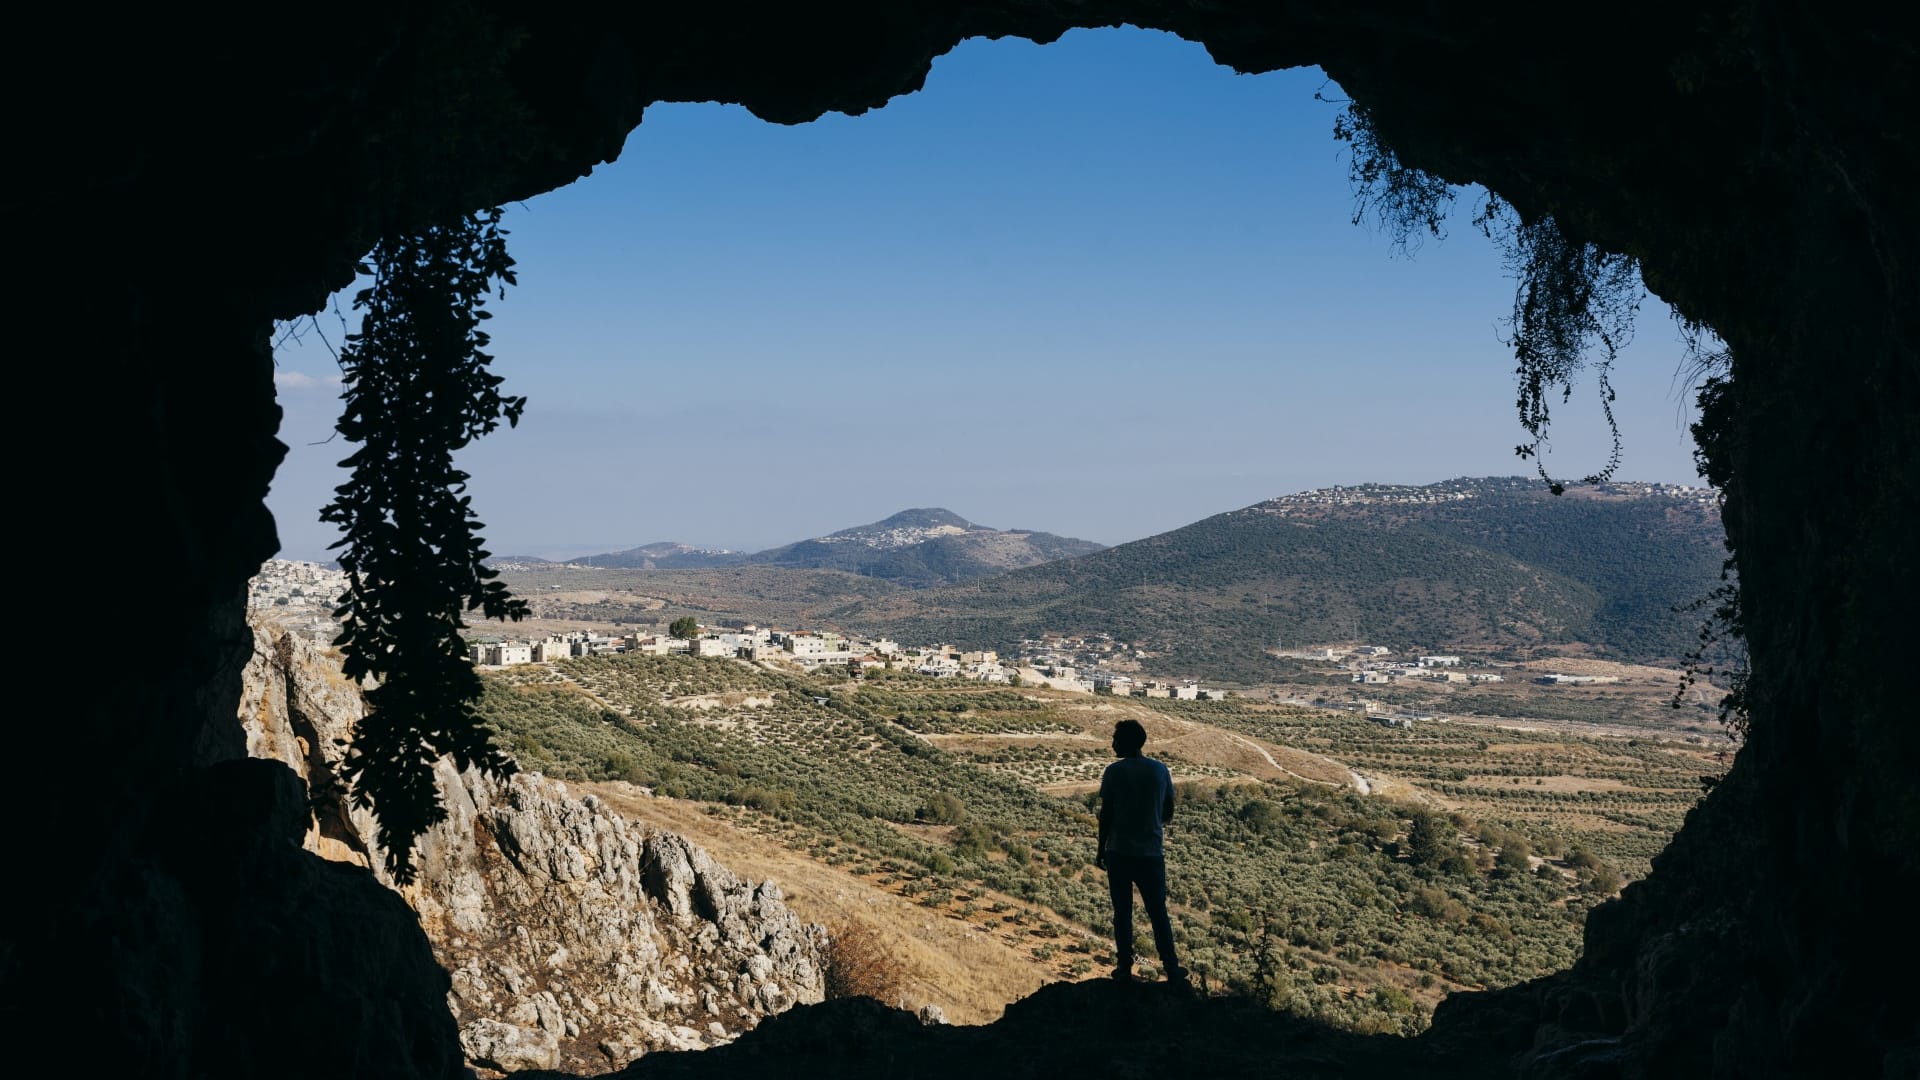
(1102, 288)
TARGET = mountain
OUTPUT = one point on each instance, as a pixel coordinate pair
(665, 555)
(918, 548)
(925, 547)
(1485, 563)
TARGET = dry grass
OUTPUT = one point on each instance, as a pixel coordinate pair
(970, 972)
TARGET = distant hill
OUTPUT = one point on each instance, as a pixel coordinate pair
(665, 555)
(516, 560)
(1482, 563)
(917, 548)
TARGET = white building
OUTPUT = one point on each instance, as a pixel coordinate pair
(714, 645)
(502, 653)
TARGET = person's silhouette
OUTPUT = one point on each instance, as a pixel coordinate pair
(1136, 799)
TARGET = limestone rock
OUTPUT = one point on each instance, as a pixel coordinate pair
(571, 935)
(507, 1047)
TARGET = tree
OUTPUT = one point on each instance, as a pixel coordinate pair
(1430, 840)
(686, 627)
(416, 390)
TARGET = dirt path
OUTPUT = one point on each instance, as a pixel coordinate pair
(1205, 744)
(971, 973)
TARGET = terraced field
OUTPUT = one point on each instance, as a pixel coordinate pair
(1620, 799)
(1470, 865)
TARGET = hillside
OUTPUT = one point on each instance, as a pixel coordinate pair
(664, 555)
(972, 804)
(1488, 563)
(917, 548)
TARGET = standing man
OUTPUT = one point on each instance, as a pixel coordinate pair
(1136, 799)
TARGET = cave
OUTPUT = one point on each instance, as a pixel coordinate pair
(182, 179)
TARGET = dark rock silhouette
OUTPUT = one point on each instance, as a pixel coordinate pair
(182, 178)
(1061, 1032)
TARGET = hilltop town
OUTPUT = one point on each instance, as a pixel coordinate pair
(1319, 500)
(300, 596)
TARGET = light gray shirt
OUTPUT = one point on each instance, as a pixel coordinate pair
(1136, 798)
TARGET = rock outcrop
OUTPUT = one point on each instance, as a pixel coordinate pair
(576, 939)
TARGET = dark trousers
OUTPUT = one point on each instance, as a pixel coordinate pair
(1149, 872)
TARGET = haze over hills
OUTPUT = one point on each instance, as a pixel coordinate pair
(1486, 563)
(916, 548)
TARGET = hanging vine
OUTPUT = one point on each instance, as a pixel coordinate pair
(1574, 304)
(417, 389)
(1722, 645)
(1574, 308)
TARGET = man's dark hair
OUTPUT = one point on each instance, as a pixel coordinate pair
(1129, 737)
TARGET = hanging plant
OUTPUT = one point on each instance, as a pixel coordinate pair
(418, 389)
(1574, 304)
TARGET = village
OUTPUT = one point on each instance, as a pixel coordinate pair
(813, 650)
(302, 596)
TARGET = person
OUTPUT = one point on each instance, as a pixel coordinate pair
(1136, 800)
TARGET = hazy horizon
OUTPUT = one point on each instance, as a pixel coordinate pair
(1101, 288)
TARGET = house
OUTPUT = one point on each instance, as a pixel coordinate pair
(1439, 661)
(506, 653)
(808, 645)
(650, 644)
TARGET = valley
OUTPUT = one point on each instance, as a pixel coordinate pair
(1364, 827)
(955, 821)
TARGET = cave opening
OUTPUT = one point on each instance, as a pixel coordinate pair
(1769, 204)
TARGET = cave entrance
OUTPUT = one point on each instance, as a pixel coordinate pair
(1102, 271)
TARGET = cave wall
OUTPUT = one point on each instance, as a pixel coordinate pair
(184, 179)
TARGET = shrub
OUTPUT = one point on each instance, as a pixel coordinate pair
(943, 808)
(859, 964)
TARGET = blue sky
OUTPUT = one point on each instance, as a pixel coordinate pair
(1102, 287)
